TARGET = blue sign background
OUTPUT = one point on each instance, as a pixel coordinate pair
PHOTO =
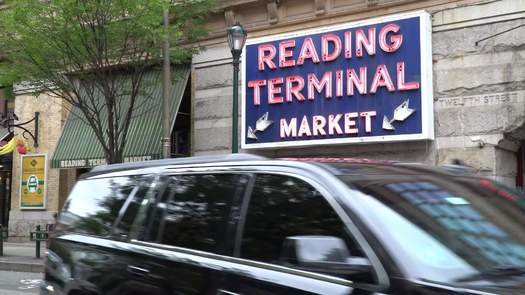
(383, 102)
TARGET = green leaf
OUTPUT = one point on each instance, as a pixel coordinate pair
(74, 49)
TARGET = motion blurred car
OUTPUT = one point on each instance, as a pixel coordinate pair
(243, 224)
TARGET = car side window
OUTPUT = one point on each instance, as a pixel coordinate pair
(285, 210)
(193, 211)
(132, 206)
(94, 204)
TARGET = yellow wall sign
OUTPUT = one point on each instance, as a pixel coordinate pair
(33, 182)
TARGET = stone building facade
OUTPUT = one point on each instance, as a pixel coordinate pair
(478, 90)
(478, 79)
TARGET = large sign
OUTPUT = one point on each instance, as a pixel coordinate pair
(33, 182)
(367, 81)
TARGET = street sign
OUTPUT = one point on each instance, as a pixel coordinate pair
(368, 81)
(33, 182)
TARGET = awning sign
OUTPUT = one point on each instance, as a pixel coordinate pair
(90, 163)
(358, 82)
(33, 182)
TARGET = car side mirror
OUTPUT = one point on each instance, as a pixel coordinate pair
(323, 254)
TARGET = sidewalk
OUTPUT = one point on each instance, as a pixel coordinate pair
(21, 257)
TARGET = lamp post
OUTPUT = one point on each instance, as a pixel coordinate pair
(236, 39)
(166, 88)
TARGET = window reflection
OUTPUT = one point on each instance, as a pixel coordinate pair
(124, 225)
(94, 204)
(482, 227)
(193, 211)
(455, 213)
(281, 207)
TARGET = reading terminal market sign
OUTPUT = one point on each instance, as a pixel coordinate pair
(368, 81)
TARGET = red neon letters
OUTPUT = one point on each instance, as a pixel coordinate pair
(352, 75)
(355, 44)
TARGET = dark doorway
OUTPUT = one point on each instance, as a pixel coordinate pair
(181, 132)
(520, 159)
(5, 196)
(7, 104)
(81, 171)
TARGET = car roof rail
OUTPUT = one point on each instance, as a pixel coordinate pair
(337, 160)
(176, 161)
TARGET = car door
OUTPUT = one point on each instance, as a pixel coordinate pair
(283, 209)
(84, 256)
(185, 232)
(137, 271)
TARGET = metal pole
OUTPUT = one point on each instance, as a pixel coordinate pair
(1, 240)
(37, 114)
(235, 112)
(37, 236)
(166, 87)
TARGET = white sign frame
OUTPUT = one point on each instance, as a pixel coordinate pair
(44, 207)
(427, 89)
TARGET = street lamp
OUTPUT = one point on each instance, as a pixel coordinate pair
(236, 39)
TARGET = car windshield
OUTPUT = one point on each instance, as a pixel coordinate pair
(444, 228)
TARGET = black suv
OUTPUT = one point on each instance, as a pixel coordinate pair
(247, 225)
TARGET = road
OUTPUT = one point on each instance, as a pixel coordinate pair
(19, 283)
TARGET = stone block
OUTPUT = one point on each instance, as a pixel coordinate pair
(453, 43)
(212, 93)
(469, 141)
(514, 118)
(506, 168)
(219, 106)
(22, 227)
(15, 214)
(463, 68)
(447, 44)
(213, 77)
(447, 122)
(213, 123)
(481, 120)
(481, 159)
(32, 215)
(48, 215)
(463, 15)
(466, 78)
(487, 119)
(212, 54)
(473, 120)
(211, 139)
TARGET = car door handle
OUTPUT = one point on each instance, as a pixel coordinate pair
(224, 292)
(137, 270)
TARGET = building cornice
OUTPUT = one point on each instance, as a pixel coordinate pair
(266, 17)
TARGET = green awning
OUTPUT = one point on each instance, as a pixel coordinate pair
(79, 148)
